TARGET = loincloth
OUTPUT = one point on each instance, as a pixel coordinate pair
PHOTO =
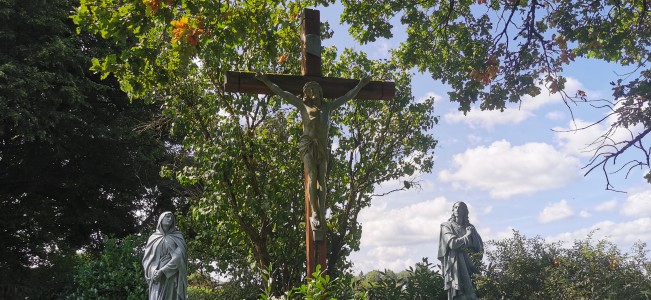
(311, 147)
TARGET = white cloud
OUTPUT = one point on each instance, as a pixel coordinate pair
(487, 118)
(381, 252)
(394, 258)
(474, 139)
(638, 204)
(488, 234)
(571, 86)
(396, 238)
(622, 234)
(607, 206)
(579, 142)
(409, 225)
(583, 138)
(556, 211)
(429, 95)
(585, 214)
(555, 115)
(383, 48)
(506, 170)
(477, 118)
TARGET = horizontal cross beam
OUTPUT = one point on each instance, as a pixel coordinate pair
(245, 82)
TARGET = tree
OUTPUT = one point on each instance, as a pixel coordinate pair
(73, 165)
(496, 51)
(244, 165)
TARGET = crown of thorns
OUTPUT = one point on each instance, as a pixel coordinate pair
(313, 85)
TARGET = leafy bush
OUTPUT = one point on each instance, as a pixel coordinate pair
(522, 268)
(116, 274)
(419, 282)
(201, 286)
(424, 283)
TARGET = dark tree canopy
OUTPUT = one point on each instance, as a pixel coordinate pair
(76, 161)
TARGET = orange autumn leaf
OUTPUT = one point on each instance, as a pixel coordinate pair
(183, 23)
(485, 76)
(193, 36)
(553, 86)
(180, 28)
(190, 31)
(282, 58)
(492, 60)
(153, 5)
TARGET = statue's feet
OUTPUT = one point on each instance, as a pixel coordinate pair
(318, 232)
(315, 223)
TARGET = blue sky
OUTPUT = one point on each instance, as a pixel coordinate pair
(514, 169)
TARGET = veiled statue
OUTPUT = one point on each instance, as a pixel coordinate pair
(457, 241)
(166, 262)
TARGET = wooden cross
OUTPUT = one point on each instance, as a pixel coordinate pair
(246, 82)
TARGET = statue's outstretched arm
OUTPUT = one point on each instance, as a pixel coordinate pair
(352, 93)
(289, 97)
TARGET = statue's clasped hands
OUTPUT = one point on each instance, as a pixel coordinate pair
(157, 275)
(469, 230)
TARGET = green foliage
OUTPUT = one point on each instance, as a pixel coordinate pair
(116, 274)
(239, 153)
(384, 287)
(515, 268)
(424, 283)
(318, 287)
(419, 282)
(522, 268)
(52, 279)
(321, 287)
(205, 293)
(202, 286)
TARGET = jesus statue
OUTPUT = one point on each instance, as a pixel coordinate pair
(314, 144)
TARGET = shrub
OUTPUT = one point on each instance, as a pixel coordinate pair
(115, 274)
(522, 268)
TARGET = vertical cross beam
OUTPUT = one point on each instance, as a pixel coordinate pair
(311, 43)
(246, 82)
(311, 66)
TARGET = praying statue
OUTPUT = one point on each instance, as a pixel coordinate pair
(314, 144)
(458, 239)
(166, 262)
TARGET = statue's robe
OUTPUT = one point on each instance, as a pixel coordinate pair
(455, 261)
(166, 252)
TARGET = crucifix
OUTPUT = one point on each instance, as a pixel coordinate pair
(315, 113)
